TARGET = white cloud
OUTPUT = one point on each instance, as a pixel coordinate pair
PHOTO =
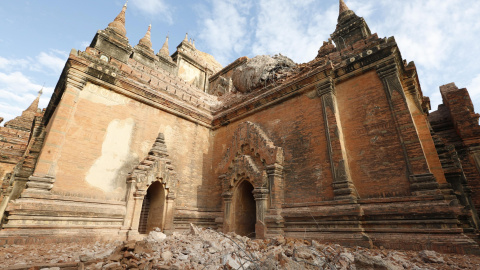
(298, 32)
(157, 8)
(440, 36)
(17, 92)
(51, 62)
(17, 82)
(225, 28)
(474, 91)
(8, 64)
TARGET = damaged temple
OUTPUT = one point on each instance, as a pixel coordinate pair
(341, 149)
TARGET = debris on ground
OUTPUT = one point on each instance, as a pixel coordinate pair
(208, 249)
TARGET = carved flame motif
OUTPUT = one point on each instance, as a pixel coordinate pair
(155, 167)
(250, 153)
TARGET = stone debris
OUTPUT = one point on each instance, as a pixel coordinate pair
(261, 70)
(207, 249)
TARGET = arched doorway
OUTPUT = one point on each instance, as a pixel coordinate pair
(244, 209)
(153, 209)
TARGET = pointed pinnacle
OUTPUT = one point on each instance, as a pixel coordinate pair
(164, 50)
(118, 25)
(146, 40)
(343, 7)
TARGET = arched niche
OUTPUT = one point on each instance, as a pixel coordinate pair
(153, 209)
(151, 193)
(253, 156)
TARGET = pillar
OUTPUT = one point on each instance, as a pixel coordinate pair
(422, 181)
(343, 187)
(168, 227)
(261, 197)
(227, 212)
(274, 220)
(138, 197)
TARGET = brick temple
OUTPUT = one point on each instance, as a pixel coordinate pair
(341, 149)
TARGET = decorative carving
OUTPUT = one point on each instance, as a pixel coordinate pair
(155, 167)
(253, 157)
(252, 135)
(329, 101)
(326, 87)
(243, 167)
(390, 79)
(343, 186)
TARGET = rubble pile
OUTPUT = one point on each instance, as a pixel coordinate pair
(261, 70)
(208, 249)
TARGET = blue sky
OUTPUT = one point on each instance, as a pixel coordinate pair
(442, 37)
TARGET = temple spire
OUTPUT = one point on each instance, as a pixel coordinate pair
(186, 38)
(24, 121)
(350, 28)
(164, 50)
(146, 40)
(118, 25)
(343, 7)
(34, 106)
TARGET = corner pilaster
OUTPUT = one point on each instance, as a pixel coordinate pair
(227, 213)
(343, 186)
(422, 181)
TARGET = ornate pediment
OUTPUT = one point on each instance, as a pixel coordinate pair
(248, 157)
(155, 167)
(250, 139)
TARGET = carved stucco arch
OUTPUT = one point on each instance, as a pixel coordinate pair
(253, 156)
(244, 167)
(156, 167)
(252, 135)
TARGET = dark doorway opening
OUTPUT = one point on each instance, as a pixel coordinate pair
(245, 210)
(153, 209)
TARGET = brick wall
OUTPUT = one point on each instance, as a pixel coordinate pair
(377, 163)
(96, 137)
(297, 126)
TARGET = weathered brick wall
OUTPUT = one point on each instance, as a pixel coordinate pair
(297, 126)
(104, 135)
(376, 159)
(13, 143)
(422, 128)
(457, 124)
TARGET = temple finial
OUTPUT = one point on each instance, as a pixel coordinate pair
(146, 40)
(186, 37)
(118, 25)
(34, 106)
(126, 2)
(164, 50)
(343, 7)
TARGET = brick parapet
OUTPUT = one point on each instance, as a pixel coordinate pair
(13, 143)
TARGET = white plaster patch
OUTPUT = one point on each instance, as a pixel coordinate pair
(98, 94)
(115, 152)
(190, 73)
